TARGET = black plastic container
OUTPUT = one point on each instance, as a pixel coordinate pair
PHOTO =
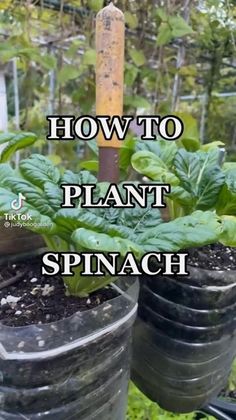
(185, 338)
(76, 368)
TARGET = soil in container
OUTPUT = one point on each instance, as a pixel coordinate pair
(42, 299)
(213, 257)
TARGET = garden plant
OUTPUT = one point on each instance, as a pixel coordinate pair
(65, 340)
(61, 356)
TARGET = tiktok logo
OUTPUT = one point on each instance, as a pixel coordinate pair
(18, 202)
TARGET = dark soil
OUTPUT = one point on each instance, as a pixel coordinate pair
(42, 298)
(213, 257)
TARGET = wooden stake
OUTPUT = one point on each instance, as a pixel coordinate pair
(110, 30)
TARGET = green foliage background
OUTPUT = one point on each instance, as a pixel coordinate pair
(173, 49)
(141, 408)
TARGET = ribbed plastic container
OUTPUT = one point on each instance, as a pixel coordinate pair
(77, 368)
(185, 338)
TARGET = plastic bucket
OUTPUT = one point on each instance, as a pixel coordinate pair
(76, 368)
(185, 338)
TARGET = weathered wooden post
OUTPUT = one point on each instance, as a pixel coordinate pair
(110, 35)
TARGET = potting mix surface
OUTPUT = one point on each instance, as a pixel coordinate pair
(213, 257)
(34, 298)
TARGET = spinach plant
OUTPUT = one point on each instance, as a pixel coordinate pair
(197, 180)
(79, 229)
